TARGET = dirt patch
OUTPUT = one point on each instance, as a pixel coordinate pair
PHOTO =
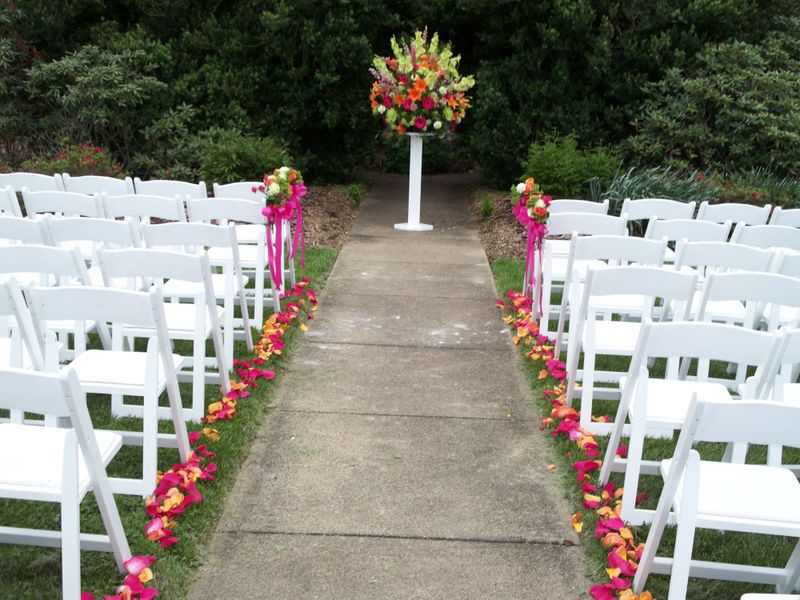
(501, 235)
(328, 215)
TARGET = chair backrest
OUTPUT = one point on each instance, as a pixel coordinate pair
(163, 187)
(243, 190)
(755, 289)
(585, 206)
(33, 182)
(20, 229)
(189, 234)
(767, 236)
(33, 258)
(568, 223)
(12, 304)
(618, 249)
(123, 234)
(787, 263)
(689, 229)
(722, 255)
(145, 207)
(661, 208)
(70, 204)
(222, 210)
(97, 184)
(53, 394)
(789, 217)
(145, 262)
(734, 212)
(9, 203)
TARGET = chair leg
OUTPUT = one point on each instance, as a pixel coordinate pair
(70, 522)
(684, 540)
(198, 377)
(792, 580)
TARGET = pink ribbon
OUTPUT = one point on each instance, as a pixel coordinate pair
(276, 213)
(298, 191)
(536, 233)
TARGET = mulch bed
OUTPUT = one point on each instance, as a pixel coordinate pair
(502, 237)
(328, 215)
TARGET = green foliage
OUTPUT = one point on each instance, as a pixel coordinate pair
(234, 156)
(487, 208)
(738, 109)
(565, 171)
(438, 155)
(100, 95)
(657, 182)
(356, 192)
(758, 186)
(75, 159)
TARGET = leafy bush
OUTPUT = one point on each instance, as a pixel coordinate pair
(758, 186)
(565, 171)
(75, 159)
(739, 109)
(438, 155)
(657, 182)
(356, 191)
(234, 156)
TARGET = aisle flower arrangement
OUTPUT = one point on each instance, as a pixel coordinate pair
(177, 488)
(531, 207)
(615, 537)
(419, 88)
(283, 190)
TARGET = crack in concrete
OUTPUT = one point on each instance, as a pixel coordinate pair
(397, 536)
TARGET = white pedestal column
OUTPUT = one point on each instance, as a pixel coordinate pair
(414, 186)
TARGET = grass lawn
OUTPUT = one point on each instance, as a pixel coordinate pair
(35, 572)
(709, 545)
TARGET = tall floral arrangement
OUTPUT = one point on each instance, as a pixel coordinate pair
(283, 190)
(419, 88)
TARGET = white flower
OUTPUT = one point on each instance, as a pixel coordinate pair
(274, 188)
(437, 125)
(284, 170)
(520, 188)
(530, 212)
(443, 90)
(381, 109)
(539, 203)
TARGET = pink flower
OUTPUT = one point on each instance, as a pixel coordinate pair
(137, 564)
(428, 103)
(420, 123)
(408, 104)
(387, 101)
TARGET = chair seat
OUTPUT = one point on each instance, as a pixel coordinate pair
(247, 255)
(769, 495)
(558, 267)
(614, 337)
(37, 453)
(668, 399)
(248, 233)
(100, 370)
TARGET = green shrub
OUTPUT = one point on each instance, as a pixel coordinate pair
(487, 208)
(75, 159)
(737, 110)
(657, 182)
(234, 156)
(356, 191)
(438, 155)
(758, 186)
(565, 171)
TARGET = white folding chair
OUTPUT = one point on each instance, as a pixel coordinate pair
(197, 321)
(228, 286)
(690, 230)
(699, 494)
(9, 203)
(616, 250)
(705, 257)
(789, 217)
(70, 204)
(170, 188)
(145, 207)
(656, 407)
(639, 209)
(617, 337)
(554, 265)
(58, 465)
(767, 236)
(20, 229)
(245, 213)
(19, 347)
(784, 387)
(33, 182)
(248, 233)
(562, 205)
(97, 184)
(88, 234)
(734, 212)
(119, 372)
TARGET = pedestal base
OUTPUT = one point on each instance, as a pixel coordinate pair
(413, 227)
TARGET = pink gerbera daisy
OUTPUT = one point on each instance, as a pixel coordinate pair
(408, 104)
(428, 103)
(420, 122)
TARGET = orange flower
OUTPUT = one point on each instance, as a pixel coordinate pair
(415, 93)
(401, 129)
(420, 84)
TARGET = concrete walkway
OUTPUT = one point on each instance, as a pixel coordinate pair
(401, 460)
